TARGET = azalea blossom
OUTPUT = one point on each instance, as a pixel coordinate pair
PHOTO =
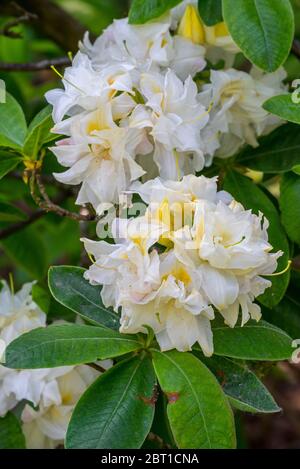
(237, 114)
(132, 107)
(151, 289)
(147, 47)
(18, 314)
(175, 117)
(51, 394)
(100, 155)
(45, 427)
(195, 252)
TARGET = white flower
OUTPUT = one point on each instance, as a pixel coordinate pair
(46, 426)
(217, 254)
(52, 393)
(152, 289)
(146, 47)
(100, 155)
(18, 314)
(175, 118)
(85, 87)
(237, 113)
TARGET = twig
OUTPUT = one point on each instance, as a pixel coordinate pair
(52, 21)
(35, 66)
(25, 17)
(96, 367)
(46, 203)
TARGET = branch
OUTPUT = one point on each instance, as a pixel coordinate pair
(46, 203)
(51, 20)
(24, 18)
(35, 66)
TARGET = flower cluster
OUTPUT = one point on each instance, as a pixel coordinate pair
(51, 394)
(136, 103)
(195, 252)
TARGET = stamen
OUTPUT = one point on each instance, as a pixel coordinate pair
(65, 79)
(11, 283)
(279, 273)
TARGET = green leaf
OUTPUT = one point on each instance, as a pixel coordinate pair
(263, 29)
(244, 390)
(210, 11)
(254, 341)
(69, 288)
(283, 107)
(27, 249)
(71, 344)
(7, 162)
(142, 11)
(252, 197)
(13, 125)
(116, 412)
(10, 213)
(11, 435)
(198, 411)
(278, 152)
(296, 169)
(290, 205)
(285, 315)
(41, 297)
(39, 132)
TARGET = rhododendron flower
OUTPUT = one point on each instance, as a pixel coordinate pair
(52, 392)
(194, 252)
(237, 114)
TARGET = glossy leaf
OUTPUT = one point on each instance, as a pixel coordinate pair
(198, 411)
(117, 411)
(210, 11)
(252, 197)
(142, 11)
(255, 341)
(8, 163)
(244, 390)
(263, 29)
(278, 152)
(13, 125)
(38, 132)
(69, 288)
(71, 344)
(283, 107)
(11, 435)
